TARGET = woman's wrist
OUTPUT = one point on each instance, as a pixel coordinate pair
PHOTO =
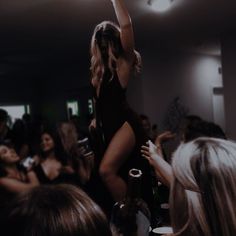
(156, 157)
(159, 149)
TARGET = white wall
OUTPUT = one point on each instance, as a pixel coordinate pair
(168, 74)
(135, 94)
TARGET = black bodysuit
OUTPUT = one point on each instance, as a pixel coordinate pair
(112, 111)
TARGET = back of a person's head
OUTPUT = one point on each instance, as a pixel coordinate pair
(3, 115)
(60, 210)
(214, 130)
(200, 128)
(204, 189)
(188, 126)
(26, 117)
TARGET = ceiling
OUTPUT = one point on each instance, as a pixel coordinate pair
(49, 32)
(81, 15)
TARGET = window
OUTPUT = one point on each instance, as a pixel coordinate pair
(90, 106)
(72, 108)
(16, 111)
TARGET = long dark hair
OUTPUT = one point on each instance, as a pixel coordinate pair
(59, 151)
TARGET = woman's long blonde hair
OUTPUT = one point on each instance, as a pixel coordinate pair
(111, 32)
(203, 194)
(68, 135)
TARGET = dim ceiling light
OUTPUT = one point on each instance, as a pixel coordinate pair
(160, 5)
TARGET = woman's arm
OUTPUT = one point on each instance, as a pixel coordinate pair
(16, 186)
(162, 168)
(36, 159)
(163, 137)
(127, 36)
(32, 179)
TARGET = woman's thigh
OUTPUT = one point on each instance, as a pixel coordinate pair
(119, 149)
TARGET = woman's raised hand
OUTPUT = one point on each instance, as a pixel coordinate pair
(150, 152)
(167, 135)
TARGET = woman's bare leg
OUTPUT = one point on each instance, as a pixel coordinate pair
(116, 154)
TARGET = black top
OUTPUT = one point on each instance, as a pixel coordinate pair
(42, 177)
(61, 178)
(112, 109)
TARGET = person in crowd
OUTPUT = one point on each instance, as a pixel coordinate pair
(194, 128)
(114, 62)
(12, 178)
(34, 130)
(79, 160)
(31, 135)
(154, 155)
(58, 210)
(147, 127)
(52, 162)
(203, 190)
(82, 130)
(164, 137)
(5, 131)
(20, 139)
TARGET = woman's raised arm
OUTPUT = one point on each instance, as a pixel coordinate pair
(127, 35)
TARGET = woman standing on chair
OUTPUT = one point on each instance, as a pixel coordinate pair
(114, 62)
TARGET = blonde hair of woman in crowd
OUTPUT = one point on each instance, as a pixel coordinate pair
(79, 162)
(203, 193)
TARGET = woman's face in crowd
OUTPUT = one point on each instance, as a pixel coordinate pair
(47, 143)
(8, 155)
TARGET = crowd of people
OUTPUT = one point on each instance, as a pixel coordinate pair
(200, 175)
(45, 171)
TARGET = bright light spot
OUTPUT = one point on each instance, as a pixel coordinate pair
(160, 5)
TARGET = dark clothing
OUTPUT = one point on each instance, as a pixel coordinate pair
(6, 136)
(62, 178)
(5, 197)
(112, 111)
(42, 177)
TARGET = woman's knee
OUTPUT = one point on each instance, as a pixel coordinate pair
(106, 172)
